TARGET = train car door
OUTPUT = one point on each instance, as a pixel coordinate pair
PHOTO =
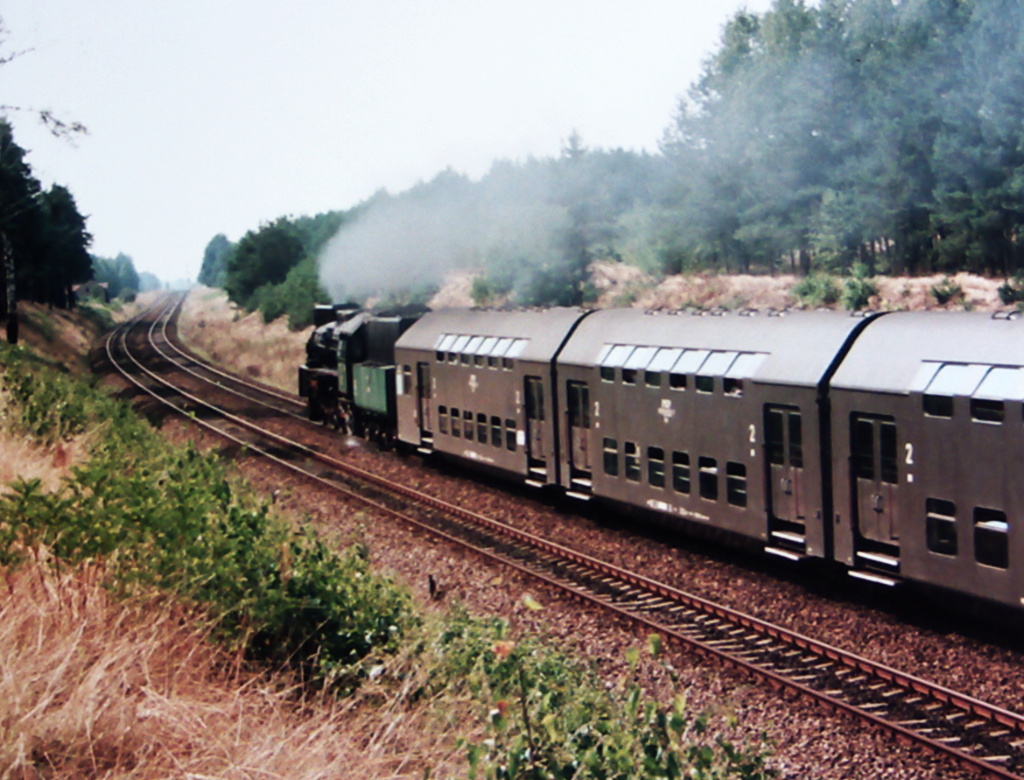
(875, 477)
(784, 456)
(424, 395)
(578, 403)
(535, 422)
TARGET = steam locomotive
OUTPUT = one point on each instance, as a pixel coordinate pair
(891, 444)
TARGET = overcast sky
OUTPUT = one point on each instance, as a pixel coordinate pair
(210, 116)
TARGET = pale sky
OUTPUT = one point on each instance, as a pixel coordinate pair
(211, 116)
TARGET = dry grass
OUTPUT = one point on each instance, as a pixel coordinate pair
(218, 330)
(23, 458)
(622, 285)
(94, 687)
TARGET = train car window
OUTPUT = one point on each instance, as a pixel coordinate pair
(501, 346)
(863, 449)
(681, 473)
(796, 440)
(478, 360)
(607, 374)
(638, 361)
(579, 405)
(652, 378)
(456, 430)
(510, 435)
(664, 360)
(534, 398)
(618, 355)
(467, 425)
(632, 460)
(465, 358)
(774, 442)
(656, 467)
(517, 347)
(707, 471)
(453, 357)
(704, 384)
(406, 380)
(954, 379)
(987, 410)
(442, 419)
(746, 365)
(1002, 384)
(937, 405)
(732, 387)
(610, 451)
(481, 428)
(677, 381)
(498, 351)
(887, 452)
(507, 364)
(991, 538)
(773, 437)
(690, 361)
(940, 526)
(736, 484)
(718, 363)
(444, 344)
(495, 431)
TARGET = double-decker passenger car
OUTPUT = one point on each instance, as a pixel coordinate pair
(711, 419)
(928, 450)
(478, 385)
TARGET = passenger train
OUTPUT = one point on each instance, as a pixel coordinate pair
(891, 444)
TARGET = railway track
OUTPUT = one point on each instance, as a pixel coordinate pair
(980, 736)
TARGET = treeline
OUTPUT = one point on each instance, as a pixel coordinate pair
(857, 137)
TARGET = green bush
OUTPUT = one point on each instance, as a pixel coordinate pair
(947, 290)
(858, 289)
(168, 517)
(817, 289)
(549, 716)
(1012, 291)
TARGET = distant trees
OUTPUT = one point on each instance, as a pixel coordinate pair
(119, 275)
(273, 268)
(215, 259)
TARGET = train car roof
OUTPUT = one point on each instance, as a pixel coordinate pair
(905, 351)
(527, 334)
(794, 348)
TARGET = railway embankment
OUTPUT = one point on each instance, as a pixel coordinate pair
(161, 618)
